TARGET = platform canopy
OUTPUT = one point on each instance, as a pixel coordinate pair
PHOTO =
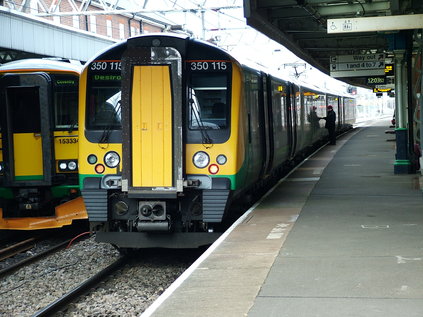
(302, 27)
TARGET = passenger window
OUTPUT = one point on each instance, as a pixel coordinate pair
(24, 100)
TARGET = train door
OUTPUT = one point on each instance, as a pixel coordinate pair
(255, 137)
(341, 119)
(264, 124)
(26, 129)
(335, 103)
(292, 120)
(151, 122)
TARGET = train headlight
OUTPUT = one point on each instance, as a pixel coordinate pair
(111, 159)
(1, 167)
(67, 165)
(201, 159)
(221, 159)
(92, 159)
(72, 165)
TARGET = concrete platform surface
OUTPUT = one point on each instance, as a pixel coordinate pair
(341, 236)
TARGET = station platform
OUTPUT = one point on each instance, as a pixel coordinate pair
(340, 236)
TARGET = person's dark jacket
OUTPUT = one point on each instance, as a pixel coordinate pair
(330, 120)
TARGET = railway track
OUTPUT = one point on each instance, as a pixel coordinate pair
(12, 252)
(82, 288)
(37, 287)
(32, 258)
(17, 248)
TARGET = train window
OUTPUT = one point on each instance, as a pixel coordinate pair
(24, 100)
(209, 107)
(279, 105)
(66, 102)
(66, 110)
(104, 108)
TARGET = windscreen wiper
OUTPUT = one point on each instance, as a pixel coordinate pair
(206, 140)
(107, 131)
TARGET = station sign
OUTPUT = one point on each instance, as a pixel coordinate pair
(357, 65)
(389, 69)
(374, 24)
(358, 58)
(357, 73)
(382, 90)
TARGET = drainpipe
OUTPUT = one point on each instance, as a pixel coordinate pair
(409, 99)
(402, 163)
(129, 25)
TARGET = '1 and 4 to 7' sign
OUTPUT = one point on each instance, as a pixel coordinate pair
(358, 65)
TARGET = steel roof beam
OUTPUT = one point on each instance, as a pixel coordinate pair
(353, 9)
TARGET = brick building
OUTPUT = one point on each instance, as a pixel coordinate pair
(116, 26)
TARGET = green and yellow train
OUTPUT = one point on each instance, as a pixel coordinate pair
(174, 131)
(39, 186)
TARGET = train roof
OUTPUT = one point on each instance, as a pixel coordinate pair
(39, 64)
(107, 53)
(118, 48)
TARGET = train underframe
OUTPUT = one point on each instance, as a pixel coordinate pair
(33, 202)
(192, 219)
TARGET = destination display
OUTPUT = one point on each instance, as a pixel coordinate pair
(66, 82)
(376, 80)
(105, 70)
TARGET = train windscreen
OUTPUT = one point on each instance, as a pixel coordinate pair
(66, 102)
(103, 110)
(208, 99)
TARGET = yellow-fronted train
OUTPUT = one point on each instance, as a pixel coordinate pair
(174, 132)
(39, 186)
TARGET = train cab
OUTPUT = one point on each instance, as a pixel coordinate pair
(39, 137)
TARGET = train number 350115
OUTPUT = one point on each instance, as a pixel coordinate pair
(205, 66)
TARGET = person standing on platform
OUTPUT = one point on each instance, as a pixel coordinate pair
(331, 124)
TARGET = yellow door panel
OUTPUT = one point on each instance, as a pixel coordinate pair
(28, 154)
(151, 127)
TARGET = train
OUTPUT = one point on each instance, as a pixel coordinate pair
(175, 132)
(39, 183)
